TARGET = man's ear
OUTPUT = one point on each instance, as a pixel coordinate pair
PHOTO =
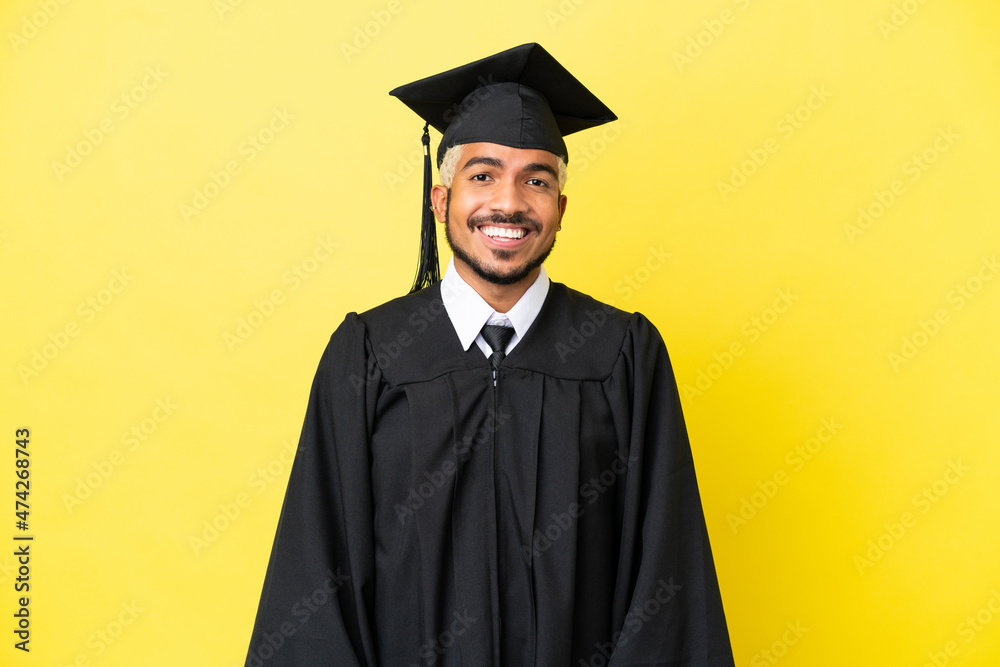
(439, 201)
(562, 210)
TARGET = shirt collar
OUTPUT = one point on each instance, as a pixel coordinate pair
(468, 311)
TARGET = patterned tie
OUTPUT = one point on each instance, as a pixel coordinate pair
(497, 337)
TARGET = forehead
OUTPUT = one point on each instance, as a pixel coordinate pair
(512, 158)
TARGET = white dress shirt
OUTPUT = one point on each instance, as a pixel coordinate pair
(469, 312)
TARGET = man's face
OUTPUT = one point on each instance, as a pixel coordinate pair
(503, 211)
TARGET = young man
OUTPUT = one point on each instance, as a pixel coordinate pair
(494, 469)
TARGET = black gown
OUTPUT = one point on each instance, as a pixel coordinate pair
(432, 518)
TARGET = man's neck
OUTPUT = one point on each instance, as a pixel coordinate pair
(500, 297)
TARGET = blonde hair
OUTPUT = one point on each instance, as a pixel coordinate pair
(449, 163)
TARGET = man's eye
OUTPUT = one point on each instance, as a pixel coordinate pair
(538, 182)
(480, 177)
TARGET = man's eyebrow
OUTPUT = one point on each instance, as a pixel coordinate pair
(541, 166)
(497, 163)
(483, 159)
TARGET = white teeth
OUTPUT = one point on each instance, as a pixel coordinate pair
(504, 232)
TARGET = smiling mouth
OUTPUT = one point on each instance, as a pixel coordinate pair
(503, 233)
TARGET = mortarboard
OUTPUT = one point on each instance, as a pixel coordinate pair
(521, 97)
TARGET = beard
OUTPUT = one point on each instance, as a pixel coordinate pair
(513, 275)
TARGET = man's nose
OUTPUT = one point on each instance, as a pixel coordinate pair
(508, 198)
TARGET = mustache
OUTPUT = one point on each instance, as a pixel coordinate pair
(517, 219)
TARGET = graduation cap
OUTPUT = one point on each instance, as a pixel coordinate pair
(521, 97)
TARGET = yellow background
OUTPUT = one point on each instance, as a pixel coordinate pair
(701, 88)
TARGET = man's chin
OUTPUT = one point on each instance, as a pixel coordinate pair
(509, 278)
(500, 275)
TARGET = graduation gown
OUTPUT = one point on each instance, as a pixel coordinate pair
(434, 518)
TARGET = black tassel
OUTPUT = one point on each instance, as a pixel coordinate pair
(428, 271)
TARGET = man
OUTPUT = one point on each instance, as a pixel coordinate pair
(494, 469)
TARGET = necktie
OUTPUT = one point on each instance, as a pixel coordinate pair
(497, 338)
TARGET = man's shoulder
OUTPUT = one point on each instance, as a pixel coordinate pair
(411, 338)
(576, 300)
(566, 303)
(576, 336)
(411, 311)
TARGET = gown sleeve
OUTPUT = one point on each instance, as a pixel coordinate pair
(315, 607)
(667, 608)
